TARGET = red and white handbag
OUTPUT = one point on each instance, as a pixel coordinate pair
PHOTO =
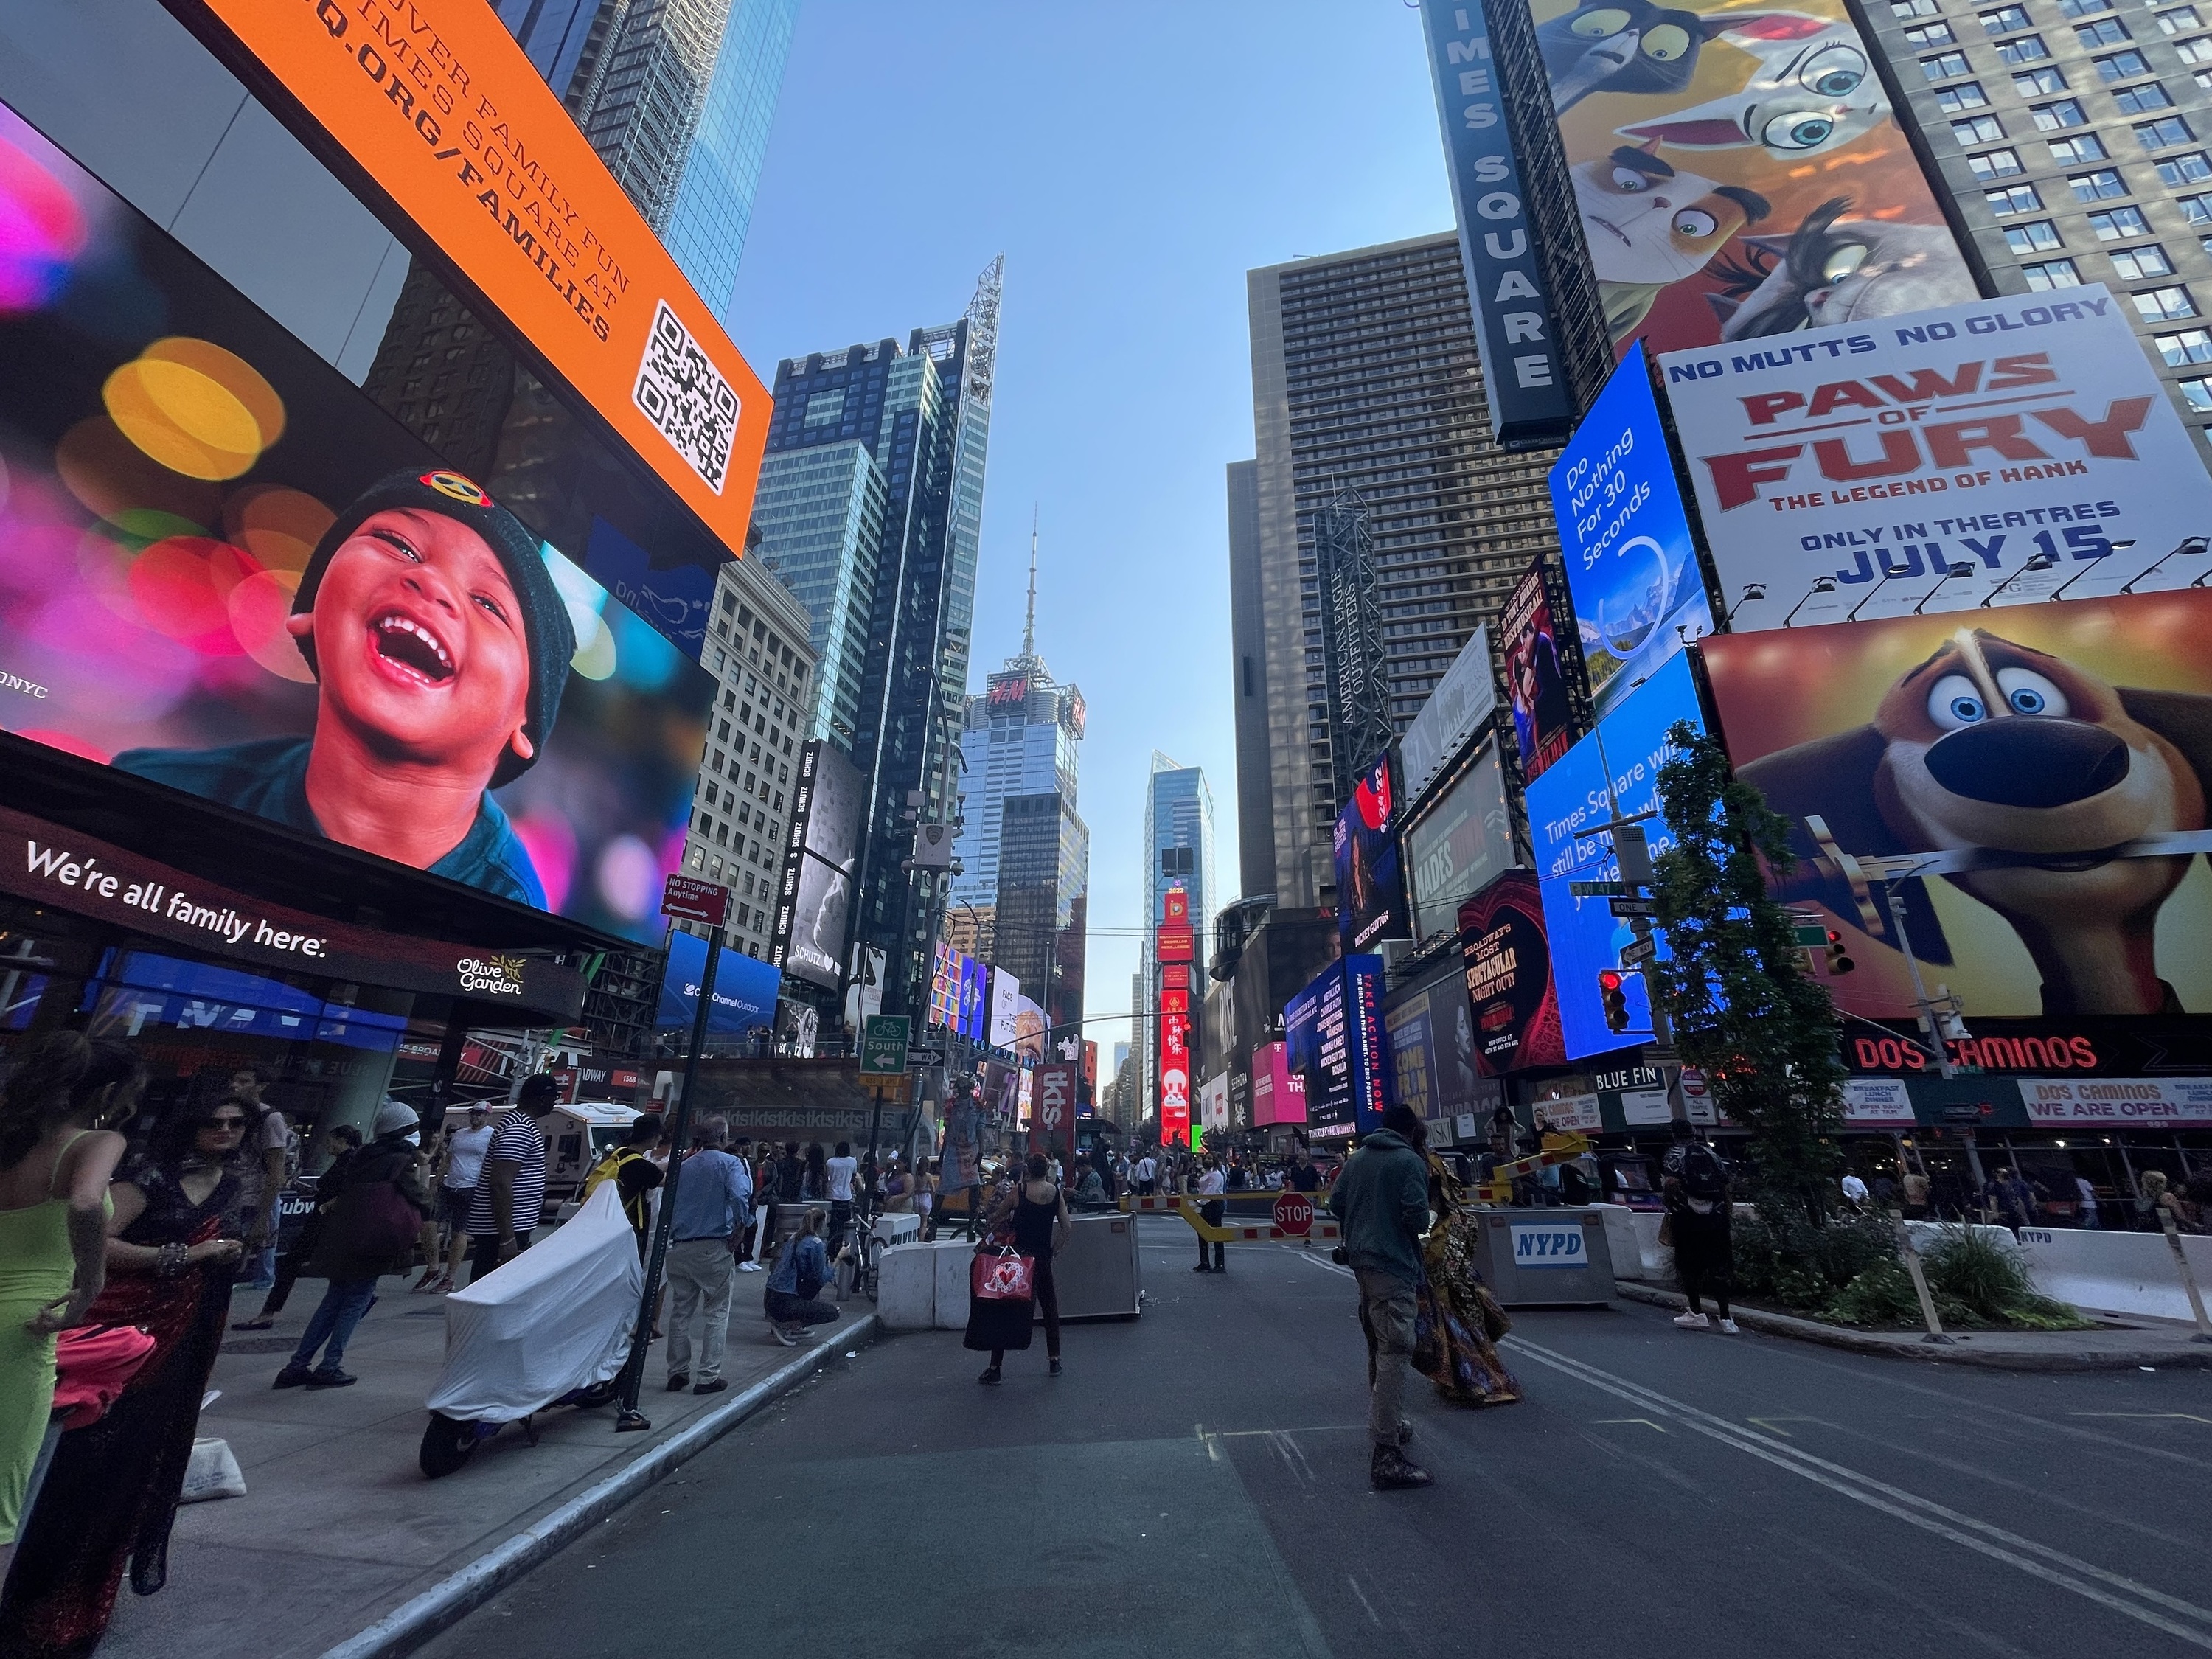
(1004, 1277)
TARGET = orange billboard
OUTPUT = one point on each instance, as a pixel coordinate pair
(446, 123)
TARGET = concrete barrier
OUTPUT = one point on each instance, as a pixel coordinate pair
(953, 1257)
(2115, 1273)
(1621, 1242)
(906, 1287)
(1926, 1235)
(1655, 1260)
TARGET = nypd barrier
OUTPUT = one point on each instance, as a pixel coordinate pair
(2114, 1273)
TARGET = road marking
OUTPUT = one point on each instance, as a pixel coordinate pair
(1909, 1507)
(1364, 1601)
(1769, 1423)
(1327, 1266)
(1645, 1421)
(2183, 1417)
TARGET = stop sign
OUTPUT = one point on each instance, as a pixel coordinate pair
(1294, 1214)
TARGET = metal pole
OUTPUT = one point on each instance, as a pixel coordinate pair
(1919, 991)
(1911, 1256)
(2188, 1276)
(679, 1128)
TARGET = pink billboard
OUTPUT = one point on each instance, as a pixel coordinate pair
(1278, 1094)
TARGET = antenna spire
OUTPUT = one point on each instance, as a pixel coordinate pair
(1029, 628)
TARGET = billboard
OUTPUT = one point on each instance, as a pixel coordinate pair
(227, 570)
(807, 940)
(1739, 172)
(1625, 538)
(745, 988)
(1413, 1057)
(1213, 1104)
(434, 115)
(2046, 768)
(1461, 842)
(1452, 1048)
(1619, 763)
(944, 985)
(1006, 1008)
(1278, 1093)
(973, 1022)
(1524, 374)
(1370, 883)
(1460, 706)
(1544, 682)
(1333, 1031)
(2028, 439)
(1507, 960)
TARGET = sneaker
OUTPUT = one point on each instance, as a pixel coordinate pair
(784, 1334)
(679, 1383)
(990, 1374)
(330, 1377)
(1690, 1321)
(1055, 1365)
(1201, 1268)
(428, 1282)
(259, 1322)
(1391, 1470)
(291, 1376)
(748, 1266)
(1728, 1328)
(1404, 1431)
(712, 1385)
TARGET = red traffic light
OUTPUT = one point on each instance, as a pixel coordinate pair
(1613, 999)
(1608, 978)
(1839, 959)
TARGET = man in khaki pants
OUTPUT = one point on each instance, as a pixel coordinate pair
(1382, 1199)
(702, 1271)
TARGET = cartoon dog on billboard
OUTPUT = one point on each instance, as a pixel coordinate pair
(1994, 747)
(1834, 270)
(1649, 225)
(1813, 90)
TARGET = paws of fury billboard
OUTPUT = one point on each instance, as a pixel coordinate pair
(1738, 171)
(1986, 454)
(2042, 768)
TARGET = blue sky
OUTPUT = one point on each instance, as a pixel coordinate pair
(1133, 160)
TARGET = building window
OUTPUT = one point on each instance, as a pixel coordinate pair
(2105, 32)
(2098, 186)
(2115, 224)
(2123, 65)
(1945, 66)
(1931, 34)
(2141, 100)
(1967, 94)
(2193, 169)
(2191, 345)
(2135, 265)
(2023, 49)
(2071, 152)
(1979, 130)
(1905, 9)
(2016, 198)
(2163, 305)
(2038, 83)
(2052, 273)
(2083, 8)
(2180, 18)
(2004, 20)
(2163, 134)
(2066, 113)
(1995, 164)
(2199, 394)
(2041, 237)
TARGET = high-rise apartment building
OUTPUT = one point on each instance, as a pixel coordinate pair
(1178, 853)
(1365, 378)
(1040, 920)
(2074, 139)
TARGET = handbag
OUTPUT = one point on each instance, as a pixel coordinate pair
(94, 1364)
(373, 1222)
(1003, 1277)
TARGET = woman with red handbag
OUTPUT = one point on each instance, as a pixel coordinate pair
(57, 1152)
(370, 1222)
(1011, 1281)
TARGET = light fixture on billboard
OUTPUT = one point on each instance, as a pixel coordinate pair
(1951, 573)
(2114, 548)
(2189, 549)
(1820, 585)
(2035, 562)
(1868, 597)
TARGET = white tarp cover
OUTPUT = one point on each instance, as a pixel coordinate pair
(557, 1317)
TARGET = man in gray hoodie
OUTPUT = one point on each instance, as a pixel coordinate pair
(1382, 1199)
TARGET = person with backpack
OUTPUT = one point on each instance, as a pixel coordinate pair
(1695, 1185)
(630, 1166)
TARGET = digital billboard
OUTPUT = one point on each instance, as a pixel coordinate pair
(1544, 682)
(1278, 1092)
(1413, 1057)
(1739, 172)
(1452, 1048)
(1991, 453)
(2044, 767)
(1625, 538)
(745, 988)
(1006, 1008)
(1508, 964)
(1461, 842)
(975, 1020)
(1370, 883)
(808, 938)
(1617, 765)
(229, 571)
(1460, 706)
(1332, 1033)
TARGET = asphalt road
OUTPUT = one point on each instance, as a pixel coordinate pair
(1195, 1484)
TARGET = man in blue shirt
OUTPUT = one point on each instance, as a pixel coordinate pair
(712, 1190)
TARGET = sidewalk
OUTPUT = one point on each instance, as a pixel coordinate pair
(339, 1527)
(2119, 1346)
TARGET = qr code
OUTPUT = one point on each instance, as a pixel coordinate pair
(684, 395)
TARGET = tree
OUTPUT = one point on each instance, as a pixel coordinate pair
(1745, 1011)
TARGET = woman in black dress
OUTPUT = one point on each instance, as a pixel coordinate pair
(1040, 1226)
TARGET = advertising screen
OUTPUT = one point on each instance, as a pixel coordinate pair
(1510, 993)
(1278, 1092)
(1461, 842)
(1739, 172)
(1618, 760)
(1451, 1047)
(1371, 885)
(1333, 1031)
(973, 1022)
(808, 941)
(229, 571)
(1989, 453)
(1413, 1056)
(1006, 1008)
(1459, 707)
(1543, 671)
(2044, 766)
(745, 988)
(1625, 538)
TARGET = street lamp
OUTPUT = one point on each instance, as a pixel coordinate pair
(2091, 565)
(1820, 585)
(2190, 548)
(2035, 562)
(1950, 572)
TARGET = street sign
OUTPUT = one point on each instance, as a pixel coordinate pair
(921, 1054)
(1638, 950)
(883, 1045)
(1055, 1097)
(1633, 907)
(689, 899)
(1601, 889)
(1294, 1214)
(1812, 934)
(1655, 1056)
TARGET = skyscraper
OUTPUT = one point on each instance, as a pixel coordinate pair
(1364, 378)
(820, 513)
(1178, 853)
(922, 414)
(1043, 911)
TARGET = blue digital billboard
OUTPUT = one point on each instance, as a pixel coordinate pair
(1333, 1036)
(1625, 538)
(745, 988)
(1618, 765)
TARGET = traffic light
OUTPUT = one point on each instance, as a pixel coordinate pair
(1839, 960)
(1612, 994)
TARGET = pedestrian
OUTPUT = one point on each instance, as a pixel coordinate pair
(814, 1184)
(1239, 1180)
(58, 1150)
(2086, 1196)
(510, 1193)
(711, 1191)
(802, 1267)
(925, 1190)
(1211, 1209)
(1090, 1186)
(631, 1167)
(2159, 1202)
(1855, 1191)
(1694, 1186)
(1146, 1174)
(1916, 1188)
(1302, 1177)
(342, 1142)
(837, 1176)
(1041, 1227)
(369, 1219)
(2012, 1201)
(461, 1168)
(1382, 1199)
(896, 1190)
(181, 1214)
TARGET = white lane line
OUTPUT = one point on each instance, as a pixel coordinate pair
(1962, 1529)
(1364, 1601)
